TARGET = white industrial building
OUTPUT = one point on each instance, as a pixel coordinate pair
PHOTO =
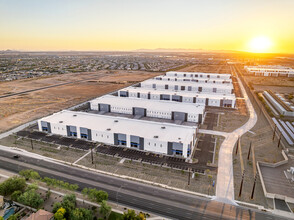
(281, 107)
(166, 138)
(179, 100)
(195, 80)
(270, 70)
(199, 75)
(188, 86)
(215, 99)
(190, 112)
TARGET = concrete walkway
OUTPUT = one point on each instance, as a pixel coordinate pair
(225, 178)
(218, 133)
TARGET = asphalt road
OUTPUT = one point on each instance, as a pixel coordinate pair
(167, 203)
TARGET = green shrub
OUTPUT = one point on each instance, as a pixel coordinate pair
(31, 198)
(29, 174)
(12, 184)
(15, 195)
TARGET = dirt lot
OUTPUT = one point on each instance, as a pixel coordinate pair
(19, 109)
(207, 68)
(278, 89)
(270, 81)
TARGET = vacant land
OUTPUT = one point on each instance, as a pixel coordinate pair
(270, 81)
(266, 150)
(22, 108)
(207, 68)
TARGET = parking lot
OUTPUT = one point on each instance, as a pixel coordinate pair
(152, 158)
(56, 139)
(116, 151)
(204, 152)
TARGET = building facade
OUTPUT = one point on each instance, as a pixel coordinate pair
(268, 70)
(165, 138)
(150, 108)
(216, 100)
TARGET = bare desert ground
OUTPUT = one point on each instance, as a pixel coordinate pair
(22, 108)
(207, 68)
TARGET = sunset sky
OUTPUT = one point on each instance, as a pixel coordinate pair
(150, 24)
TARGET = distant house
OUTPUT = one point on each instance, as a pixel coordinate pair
(41, 215)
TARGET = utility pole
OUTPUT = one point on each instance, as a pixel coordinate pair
(237, 145)
(242, 167)
(249, 151)
(254, 172)
(189, 176)
(279, 140)
(92, 155)
(274, 132)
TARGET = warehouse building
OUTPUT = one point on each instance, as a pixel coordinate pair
(281, 107)
(190, 112)
(216, 100)
(188, 86)
(165, 138)
(198, 75)
(195, 80)
(269, 70)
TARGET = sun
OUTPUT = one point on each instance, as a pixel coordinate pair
(260, 44)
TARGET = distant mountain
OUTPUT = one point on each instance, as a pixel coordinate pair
(168, 50)
(183, 50)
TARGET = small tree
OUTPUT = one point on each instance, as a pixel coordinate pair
(131, 215)
(69, 203)
(105, 209)
(31, 198)
(81, 214)
(48, 194)
(56, 207)
(59, 215)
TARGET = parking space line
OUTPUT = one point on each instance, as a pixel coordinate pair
(82, 157)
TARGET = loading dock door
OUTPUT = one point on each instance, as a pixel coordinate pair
(206, 101)
(124, 94)
(135, 141)
(164, 97)
(177, 98)
(86, 133)
(199, 118)
(71, 131)
(120, 139)
(228, 103)
(46, 126)
(139, 111)
(182, 116)
(104, 107)
(221, 103)
(174, 148)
